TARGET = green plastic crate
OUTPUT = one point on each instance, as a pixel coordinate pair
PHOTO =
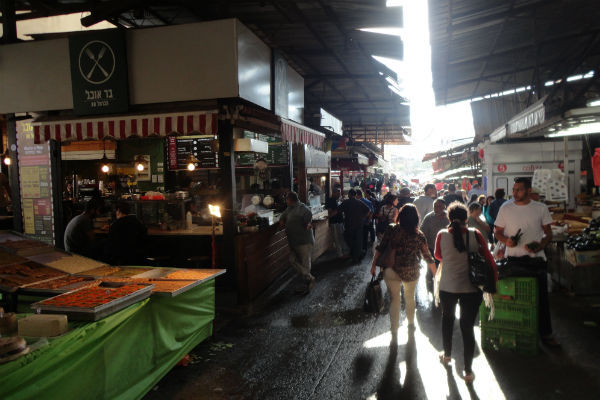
(510, 315)
(508, 339)
(519, 290)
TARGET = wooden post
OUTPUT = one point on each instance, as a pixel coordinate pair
(227, 164)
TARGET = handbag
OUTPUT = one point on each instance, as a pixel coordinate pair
(480, 272)
(374, 296)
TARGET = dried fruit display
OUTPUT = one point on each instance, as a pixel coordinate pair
(160, 285)
(17, 275)
(59, 283)
(191, 274)
(101, 271)
(91, 297)
(7, 258)
(126, 272)
(21, 244)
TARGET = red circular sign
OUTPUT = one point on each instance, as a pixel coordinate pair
(502, 168)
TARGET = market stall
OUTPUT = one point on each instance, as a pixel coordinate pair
(128, 325)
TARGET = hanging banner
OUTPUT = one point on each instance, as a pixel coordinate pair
(99, 72)
(36, 185)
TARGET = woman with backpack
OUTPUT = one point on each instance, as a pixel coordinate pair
(388, 213)
(455, 285)
(409, 245)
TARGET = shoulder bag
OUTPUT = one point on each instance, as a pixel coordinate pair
(480, 272)
(388, 257)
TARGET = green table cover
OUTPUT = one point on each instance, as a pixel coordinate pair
(119, 357)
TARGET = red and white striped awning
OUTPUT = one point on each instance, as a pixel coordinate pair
(296, 133)
(182, 123)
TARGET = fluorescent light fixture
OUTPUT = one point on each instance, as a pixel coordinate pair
(395, 90)
(384, 31)
(594, 103)
(585, 129)
(549, 83)
(392, 82)
(590, 74)
(574, 78)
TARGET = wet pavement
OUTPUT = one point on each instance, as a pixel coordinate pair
(323, 346)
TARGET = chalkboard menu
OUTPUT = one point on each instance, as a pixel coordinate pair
(180, 148)
(278, 151)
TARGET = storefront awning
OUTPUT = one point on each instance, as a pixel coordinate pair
(296, 133)
(122, 127)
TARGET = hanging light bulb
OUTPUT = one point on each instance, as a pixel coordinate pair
(191, 162)
(104, 161)
(6, 158)
(139, 163)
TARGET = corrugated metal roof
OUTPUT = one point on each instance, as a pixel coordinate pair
(482, 47)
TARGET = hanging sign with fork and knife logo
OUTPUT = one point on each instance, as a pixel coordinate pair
(99, 72)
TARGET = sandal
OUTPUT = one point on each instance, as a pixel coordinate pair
(469, 377)
(445, 360)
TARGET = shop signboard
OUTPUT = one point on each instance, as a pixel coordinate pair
(99, 72)
(517, 168)
(180, 148)
(36, 185)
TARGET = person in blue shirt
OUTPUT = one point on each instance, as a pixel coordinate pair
(368, 227)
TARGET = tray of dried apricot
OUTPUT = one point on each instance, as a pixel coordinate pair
(59, 285)
(162, 287)
(15, 276)
(93, 303)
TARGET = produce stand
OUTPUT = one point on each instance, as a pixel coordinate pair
(119, 357)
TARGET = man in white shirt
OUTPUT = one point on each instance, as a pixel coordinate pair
(533, 219)
(476, 190)
(424, 203)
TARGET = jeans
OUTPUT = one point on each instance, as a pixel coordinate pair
(394, 285)
(301, 258)
(354, 237)
(337, 231)
(469, 306)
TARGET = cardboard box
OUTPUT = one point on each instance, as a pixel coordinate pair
(43, 325)
(583, 258)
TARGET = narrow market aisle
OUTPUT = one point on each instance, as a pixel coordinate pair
(323, 346)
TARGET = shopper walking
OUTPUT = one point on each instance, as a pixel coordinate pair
(355, 212)
(452, 196)
(455, 286)
(336, 223)
(404, 197)
(533, 219)
(388, 213)
(475, 221)
(497, 203)
(410, 245)
(434, 222)
(297, 220)
(368, 226)
(424, 203)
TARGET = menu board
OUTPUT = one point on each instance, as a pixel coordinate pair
(36, 185)
(278, 153)
(180, 148)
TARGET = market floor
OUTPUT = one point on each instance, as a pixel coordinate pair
(323, 346)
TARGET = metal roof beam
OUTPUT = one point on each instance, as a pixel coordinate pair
(526, 46)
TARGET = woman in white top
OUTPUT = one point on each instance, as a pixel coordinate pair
(455, 285)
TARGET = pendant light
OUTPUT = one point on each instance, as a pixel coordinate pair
(6, 158)
(104, 161)
(139, 163)
(191, 162)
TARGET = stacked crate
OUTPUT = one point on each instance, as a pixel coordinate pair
(515, 323)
